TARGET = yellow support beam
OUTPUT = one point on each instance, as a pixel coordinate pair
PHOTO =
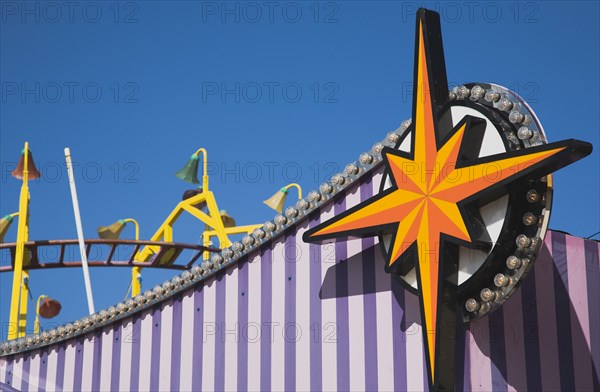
(165, 231)
(24, 302)
(212, 219)
(22, 237)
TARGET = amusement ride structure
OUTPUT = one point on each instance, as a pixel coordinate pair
(158, 252)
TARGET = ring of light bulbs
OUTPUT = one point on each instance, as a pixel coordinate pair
(489, 296)
(529, 207)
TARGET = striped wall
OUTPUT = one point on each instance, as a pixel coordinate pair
(294, 316)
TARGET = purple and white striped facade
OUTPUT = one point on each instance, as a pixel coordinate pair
(297, 316)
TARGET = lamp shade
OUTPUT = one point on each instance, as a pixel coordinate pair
(4, 225)
(194, 192)
(31, 169)
(276, 201)
(111, 232)
(227, 219)
(189, 173)
(49, 308)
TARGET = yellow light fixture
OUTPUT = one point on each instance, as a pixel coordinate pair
(5, 223)
(189, 172)
(278, 199)
(46, 308)
(113, 231)
(32, 171)
(227, 219)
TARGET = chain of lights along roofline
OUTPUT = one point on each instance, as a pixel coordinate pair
(531, 136)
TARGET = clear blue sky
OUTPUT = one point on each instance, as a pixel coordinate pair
(277, 92)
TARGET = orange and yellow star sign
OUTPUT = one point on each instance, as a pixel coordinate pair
(431, 185)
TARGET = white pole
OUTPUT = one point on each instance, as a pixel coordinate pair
(84, 263)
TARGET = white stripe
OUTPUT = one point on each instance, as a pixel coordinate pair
(145, 351)
(187, 341)
(87, 365)
(34, 372)
(51, 363)
(328, 316)
(231, 329)
(303, 330)
(106, 359)
(69, 375)
(582, 364)
(376, 181)
(356, 321)
(254, 323)
(166, 339)
(3, 366)
(278, 316)
(478, 335)
(209, 334)
(128, 337)
(414, 345)
(356, 315)
(385, 327)
(17, 374)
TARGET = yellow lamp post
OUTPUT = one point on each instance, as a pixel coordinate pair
(25, 171)
(192, 203)
(113, 232)
(5, 223)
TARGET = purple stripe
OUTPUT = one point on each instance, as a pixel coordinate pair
(221, 304)
(400, 325)
(497, 350)
(155, 354)
(43, 370)
(9, 370)
(7, 388)
(97, 363)
(266, 269)
(136, 336)
(316, 350)
(197, 339)
(25, 373)
(531, 339)
(78, 370)
(592, 278)
(563, 312)
(116, 358)
(459, 355)
(176, 344)
(290, 313)
(369, 299)
(341, 308)
(242, 359)
(60, 367)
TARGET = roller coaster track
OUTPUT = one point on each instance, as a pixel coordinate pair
(120, 253)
